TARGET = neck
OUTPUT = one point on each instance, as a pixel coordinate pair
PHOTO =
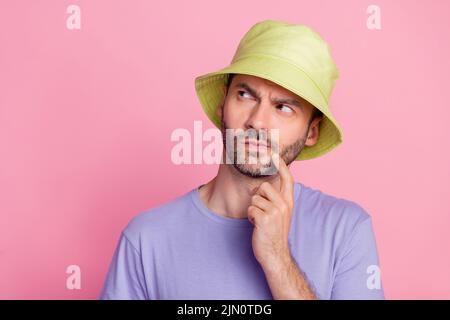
(229, 193)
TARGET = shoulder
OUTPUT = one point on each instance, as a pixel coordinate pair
(321, 208)
(157, 220)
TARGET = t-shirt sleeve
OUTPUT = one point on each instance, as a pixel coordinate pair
(358, 275)
(125, 279)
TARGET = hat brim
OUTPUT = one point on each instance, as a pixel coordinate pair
(210, 90)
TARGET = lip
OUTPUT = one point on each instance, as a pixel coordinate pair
(256, 144)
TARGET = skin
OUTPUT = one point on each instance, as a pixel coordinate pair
(240, 190)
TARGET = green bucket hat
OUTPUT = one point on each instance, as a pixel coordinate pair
(292, 56)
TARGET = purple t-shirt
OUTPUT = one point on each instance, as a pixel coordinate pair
(183, 250)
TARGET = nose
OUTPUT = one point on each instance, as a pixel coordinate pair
(259, 117)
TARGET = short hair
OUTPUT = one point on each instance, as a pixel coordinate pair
(316, 113)
(229, 79)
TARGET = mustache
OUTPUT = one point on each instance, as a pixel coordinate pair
(260, 136)
(288, 152)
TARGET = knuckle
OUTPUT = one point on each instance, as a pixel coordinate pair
(252, 210)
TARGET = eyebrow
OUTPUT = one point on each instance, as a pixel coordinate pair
(255, 93)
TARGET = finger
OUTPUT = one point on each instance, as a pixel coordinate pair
(269, 192)
(253, 213)
(261, 202)
(286, 179)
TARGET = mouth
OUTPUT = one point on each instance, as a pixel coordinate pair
(256, 144)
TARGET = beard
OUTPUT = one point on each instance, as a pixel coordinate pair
(259, 170)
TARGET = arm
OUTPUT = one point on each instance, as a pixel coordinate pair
(271, 212)
(125, 279)
(358, 275)
(287, 281)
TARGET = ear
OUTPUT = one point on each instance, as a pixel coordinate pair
(313, 133)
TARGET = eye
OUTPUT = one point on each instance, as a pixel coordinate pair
(285, 108)
(240, 92)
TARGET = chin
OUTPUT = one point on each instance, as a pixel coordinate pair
(255, 170)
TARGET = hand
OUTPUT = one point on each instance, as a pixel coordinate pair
(270, 212)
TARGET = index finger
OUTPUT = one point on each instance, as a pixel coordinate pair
(286, 179)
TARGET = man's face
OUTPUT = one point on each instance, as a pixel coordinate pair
(257, 105)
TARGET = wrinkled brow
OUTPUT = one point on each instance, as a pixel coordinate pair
(256, 94)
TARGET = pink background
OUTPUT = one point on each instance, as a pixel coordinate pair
(86, 117)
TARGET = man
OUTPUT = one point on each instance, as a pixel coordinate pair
(253, 233)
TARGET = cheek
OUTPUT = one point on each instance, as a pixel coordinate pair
(290, 134)
(233, 116)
